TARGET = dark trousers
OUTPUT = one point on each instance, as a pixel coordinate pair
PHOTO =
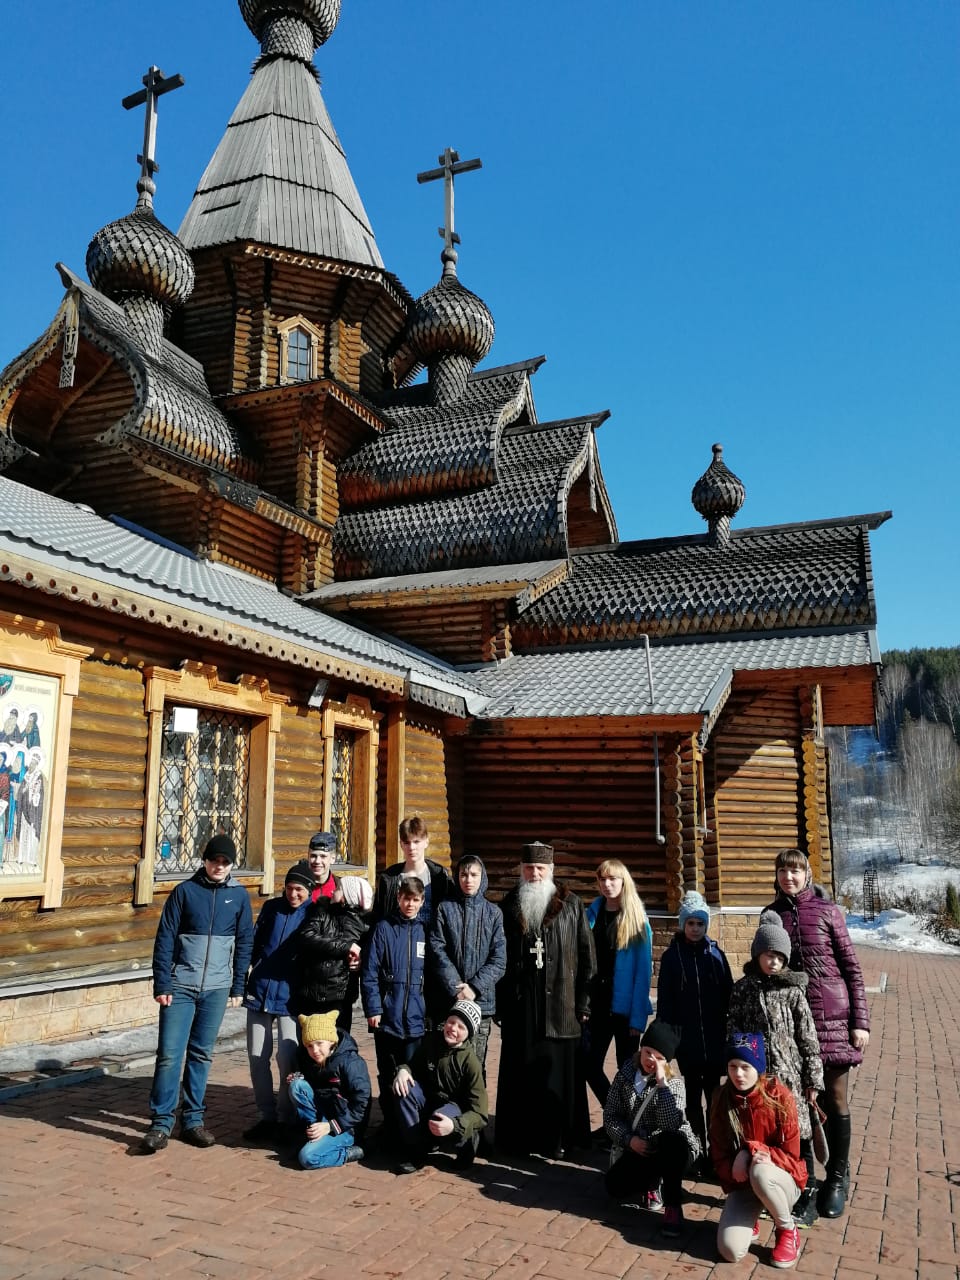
(603, 1027)
(701, 1080)
(392, 1052)
(632, 1175)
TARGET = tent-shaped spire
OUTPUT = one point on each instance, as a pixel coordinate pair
(279, 175)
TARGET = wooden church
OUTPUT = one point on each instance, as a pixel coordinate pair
(258, 575)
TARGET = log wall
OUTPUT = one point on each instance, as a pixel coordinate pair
(590, 795)
(297, 787)
(757, 769)
(427, 784)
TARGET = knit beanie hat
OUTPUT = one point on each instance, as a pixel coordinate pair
(299, 874)
(318, 1026)
(537, 852)
(662, 1037)
(356, 892)
(771, 936)
(220, 847)
(693, 906)
(468, 1011)
(747, 1046)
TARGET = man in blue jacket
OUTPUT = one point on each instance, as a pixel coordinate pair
(200, 961)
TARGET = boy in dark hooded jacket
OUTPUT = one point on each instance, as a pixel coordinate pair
(331, 1093)
(468, 949)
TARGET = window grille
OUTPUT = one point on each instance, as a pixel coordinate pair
(204, 786)
(299, 352)
(342, 806)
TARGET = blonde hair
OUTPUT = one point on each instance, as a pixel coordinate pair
(633, 917)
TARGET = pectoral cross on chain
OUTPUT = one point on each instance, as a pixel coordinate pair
(537, 951)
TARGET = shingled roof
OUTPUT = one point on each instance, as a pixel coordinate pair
(812, 575)
(428, 449)
(522, 516)
(171, 405)
(280, 177)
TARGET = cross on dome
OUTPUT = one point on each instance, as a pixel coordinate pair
(155, 83)
(450, 166)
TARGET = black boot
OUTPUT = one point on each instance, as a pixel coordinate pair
(805, 1210)
(833, 1193)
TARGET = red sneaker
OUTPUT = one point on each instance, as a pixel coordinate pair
(755, 1233)
(786, 1250)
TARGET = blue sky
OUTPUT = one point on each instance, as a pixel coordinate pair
(731, 222)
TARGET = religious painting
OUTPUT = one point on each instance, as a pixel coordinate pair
(29, 709)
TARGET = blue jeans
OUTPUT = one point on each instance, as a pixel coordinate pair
(188, 1025)
(319, 1153)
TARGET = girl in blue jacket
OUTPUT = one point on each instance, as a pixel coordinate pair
(620, 994)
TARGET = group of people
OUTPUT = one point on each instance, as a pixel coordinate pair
(759, 1062)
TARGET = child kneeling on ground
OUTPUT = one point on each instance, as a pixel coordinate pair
(645, 1118)
(440, 1095)
(331, 1093)
(755, 1146)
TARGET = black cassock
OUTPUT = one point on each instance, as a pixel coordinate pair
(541, 1091)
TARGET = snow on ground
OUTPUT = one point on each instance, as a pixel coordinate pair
(896, 930)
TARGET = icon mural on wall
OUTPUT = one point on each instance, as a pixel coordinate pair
(28, 718)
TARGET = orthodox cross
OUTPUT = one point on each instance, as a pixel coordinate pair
(155, 83)
(450, 165)
(537, 951)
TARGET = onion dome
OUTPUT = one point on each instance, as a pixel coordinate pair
(718, 495)
(141, 264)
(451, 330)
(290, 28)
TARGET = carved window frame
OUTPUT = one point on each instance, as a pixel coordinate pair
(38, 650)
(198, 685)
(315, 336)
(357, 716)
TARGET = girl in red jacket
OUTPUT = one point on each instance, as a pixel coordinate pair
(755, 1147)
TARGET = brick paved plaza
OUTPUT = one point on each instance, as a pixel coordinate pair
(76, 1201)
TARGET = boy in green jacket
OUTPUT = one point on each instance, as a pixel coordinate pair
(441, 1098)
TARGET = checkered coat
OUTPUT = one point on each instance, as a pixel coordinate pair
(664, 1109)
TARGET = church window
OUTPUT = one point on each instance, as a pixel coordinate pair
(299, 356)
(211, 747)
(204, 784)
(299, 344)
(351, 738)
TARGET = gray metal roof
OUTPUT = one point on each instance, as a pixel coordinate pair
(72, 540)
(810, 575)
(280, 176)
(520, 576)
(688, 678)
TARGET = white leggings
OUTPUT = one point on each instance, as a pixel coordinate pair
(770, 1187)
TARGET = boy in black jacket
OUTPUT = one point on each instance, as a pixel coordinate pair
(331, 1093)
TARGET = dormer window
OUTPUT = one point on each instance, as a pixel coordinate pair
(299, 348)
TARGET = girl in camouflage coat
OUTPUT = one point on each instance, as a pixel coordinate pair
(771, 999)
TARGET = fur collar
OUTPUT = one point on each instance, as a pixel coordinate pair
(785, 978)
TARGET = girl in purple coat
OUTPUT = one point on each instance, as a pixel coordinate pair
(838, 1002)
